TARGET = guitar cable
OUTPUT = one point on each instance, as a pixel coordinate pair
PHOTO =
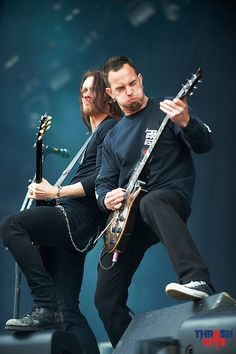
(103, 231)
(114, 258)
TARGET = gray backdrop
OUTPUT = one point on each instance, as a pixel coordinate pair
(46, 45)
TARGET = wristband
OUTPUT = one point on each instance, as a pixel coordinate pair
(58, 194)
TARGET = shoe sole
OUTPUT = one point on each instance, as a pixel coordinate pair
(30, 329)
(187, 294)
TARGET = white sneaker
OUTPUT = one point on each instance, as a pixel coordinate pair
(193, 290)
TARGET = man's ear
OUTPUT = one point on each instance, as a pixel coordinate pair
(140, 79)
(109, 91)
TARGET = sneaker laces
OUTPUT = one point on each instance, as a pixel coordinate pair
(194, 284)
(33, 311)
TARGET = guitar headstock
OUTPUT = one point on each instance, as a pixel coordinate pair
(44, 126)
(191, 83)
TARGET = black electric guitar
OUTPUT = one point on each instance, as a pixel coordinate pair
(44, 126)
(120, 222)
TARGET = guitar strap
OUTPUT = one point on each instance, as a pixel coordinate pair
(80, 155)
(153, 122)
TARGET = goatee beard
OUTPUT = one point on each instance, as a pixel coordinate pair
(134, 106)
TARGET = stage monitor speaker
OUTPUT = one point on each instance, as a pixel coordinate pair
(39, 342)
(166, 322)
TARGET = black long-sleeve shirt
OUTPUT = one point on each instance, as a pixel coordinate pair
(90, 166)
(171, 165)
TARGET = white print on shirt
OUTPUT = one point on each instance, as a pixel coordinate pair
(150, 136)
(208, 128)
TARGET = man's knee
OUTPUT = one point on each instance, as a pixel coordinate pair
(163, 201)
(153, 198)
(7, 226)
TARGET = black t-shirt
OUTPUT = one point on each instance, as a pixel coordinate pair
(171, 165)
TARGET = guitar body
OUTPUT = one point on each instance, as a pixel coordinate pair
(121, 224)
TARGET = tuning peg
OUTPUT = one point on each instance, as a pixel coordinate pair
(195, 87)
(191, 93)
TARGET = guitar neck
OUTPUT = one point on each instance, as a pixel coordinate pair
(39, 162)
(138, 169)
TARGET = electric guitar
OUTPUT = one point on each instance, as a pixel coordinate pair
(120, 222)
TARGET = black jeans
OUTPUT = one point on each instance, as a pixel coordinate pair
(162, 217)
(45, 226)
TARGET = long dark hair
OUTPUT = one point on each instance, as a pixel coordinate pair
(102, 102)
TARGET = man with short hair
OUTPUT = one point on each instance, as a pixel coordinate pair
(165, 207)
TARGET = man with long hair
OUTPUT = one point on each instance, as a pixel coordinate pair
(69, 228)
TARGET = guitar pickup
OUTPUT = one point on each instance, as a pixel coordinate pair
(116, 230)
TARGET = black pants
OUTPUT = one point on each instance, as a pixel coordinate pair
(45, 226)
(162, 218)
